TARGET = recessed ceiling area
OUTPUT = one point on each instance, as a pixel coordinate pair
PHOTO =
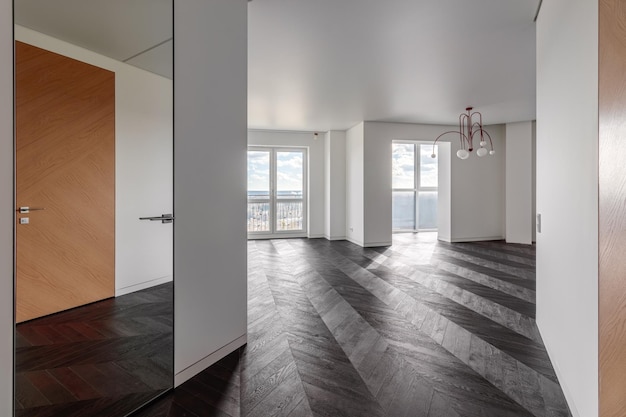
(318, 65)
(138, 32)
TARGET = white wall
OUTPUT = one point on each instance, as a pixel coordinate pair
(335, 185)
(444, 206)
(476, 184)
(315, 176)
(144, 252)
(210, 94)
(567, 196)
(143, 165)
(354, 185)
(519, 182)
(534, 181)
(377, 161)
(7, 207)
(478, 193)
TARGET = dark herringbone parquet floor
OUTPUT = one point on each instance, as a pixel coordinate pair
(100, 360)
(421, 328)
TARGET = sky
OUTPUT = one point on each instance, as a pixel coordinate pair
(289, 170)
(403, 173)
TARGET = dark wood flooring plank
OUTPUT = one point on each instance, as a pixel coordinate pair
(421, 328)
(105, 358)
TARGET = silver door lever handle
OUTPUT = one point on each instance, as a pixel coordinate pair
(26, 209)
(164, 218)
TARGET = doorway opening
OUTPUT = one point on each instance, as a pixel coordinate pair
(414, 187)
(277, 197)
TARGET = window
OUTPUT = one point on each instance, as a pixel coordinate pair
(414, 182)
(276, 192)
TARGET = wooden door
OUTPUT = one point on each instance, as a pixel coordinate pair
(65, 164)
(612, 208)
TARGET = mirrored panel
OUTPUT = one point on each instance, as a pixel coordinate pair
(94, 179)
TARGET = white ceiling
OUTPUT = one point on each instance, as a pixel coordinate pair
(329, 64)
(138, 32)
(316, 65)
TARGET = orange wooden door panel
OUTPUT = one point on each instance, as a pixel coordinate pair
(612, 208)
(65, 163)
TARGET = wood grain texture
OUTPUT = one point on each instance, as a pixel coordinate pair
(339, 330)
(612, 208)
(65, 162)
(103, 359)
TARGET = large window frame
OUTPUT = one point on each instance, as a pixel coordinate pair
(274, 200)
(417, 186)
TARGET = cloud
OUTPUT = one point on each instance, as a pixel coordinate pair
(403, 166)
(289, 170)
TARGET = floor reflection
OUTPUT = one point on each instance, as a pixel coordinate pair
(106, 358)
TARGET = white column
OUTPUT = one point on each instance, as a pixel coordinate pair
(519, 182)
(354, 185)
(444, 192)
(376, 186)
(335, 185)
(210, 94)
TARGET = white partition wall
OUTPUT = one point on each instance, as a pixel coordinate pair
(567, 196)
(6, 207)
(210, 93)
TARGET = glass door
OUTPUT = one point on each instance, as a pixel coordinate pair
(276, 192)
(415, 182)
(259, 191)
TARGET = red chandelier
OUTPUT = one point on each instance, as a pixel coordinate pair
(468, 128)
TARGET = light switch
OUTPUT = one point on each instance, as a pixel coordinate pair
(24, 220)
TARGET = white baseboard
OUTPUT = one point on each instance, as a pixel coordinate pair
(317, 236)
(377, 244)
(368, 245)
(142, 285)
(569, 398)
(474, 239)
(209, 360)
(335, 237)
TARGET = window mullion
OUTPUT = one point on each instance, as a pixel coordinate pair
(416, 168)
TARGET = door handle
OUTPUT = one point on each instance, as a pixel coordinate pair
(164, 218)
(26, 209)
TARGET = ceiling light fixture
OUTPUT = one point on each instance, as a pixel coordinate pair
(467, 129)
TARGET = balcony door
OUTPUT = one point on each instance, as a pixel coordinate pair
(277, 198)
(415, 187)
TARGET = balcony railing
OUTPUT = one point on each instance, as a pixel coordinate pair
(289, 216)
